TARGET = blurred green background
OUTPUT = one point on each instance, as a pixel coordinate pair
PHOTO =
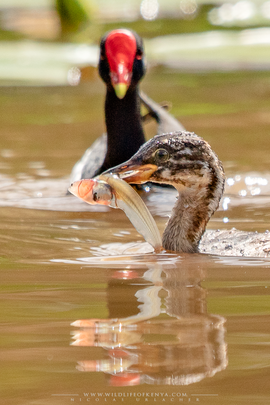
(41, 40)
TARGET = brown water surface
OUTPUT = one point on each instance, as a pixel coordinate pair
(87, 316)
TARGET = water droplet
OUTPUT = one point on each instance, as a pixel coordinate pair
(242, 193)
(230, 181)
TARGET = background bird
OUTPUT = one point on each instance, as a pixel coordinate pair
(121, 66)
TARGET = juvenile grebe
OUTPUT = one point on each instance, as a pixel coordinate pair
(187, 162)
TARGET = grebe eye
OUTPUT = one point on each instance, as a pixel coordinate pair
(162, 155)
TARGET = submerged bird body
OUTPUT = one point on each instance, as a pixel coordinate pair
(187, 162)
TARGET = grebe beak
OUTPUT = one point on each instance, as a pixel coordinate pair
(133, 172)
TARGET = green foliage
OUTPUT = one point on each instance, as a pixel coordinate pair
(75, 16)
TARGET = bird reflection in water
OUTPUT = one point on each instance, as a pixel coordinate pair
(158, 330)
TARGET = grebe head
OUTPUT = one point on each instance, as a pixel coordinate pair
(187, 162)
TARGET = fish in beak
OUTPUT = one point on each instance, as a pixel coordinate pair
(133, 171)
(111, 191)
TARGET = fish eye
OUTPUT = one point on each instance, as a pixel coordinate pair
(162, 155)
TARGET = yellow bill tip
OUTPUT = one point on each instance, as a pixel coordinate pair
(120, 90)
